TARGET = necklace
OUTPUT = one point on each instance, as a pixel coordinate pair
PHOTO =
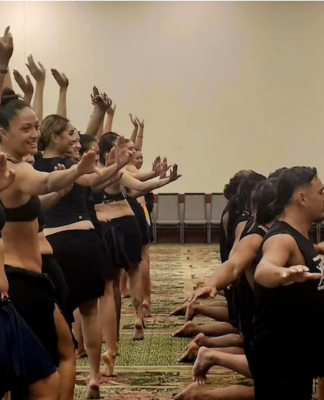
(11, 158)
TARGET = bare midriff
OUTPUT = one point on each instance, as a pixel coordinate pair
(117, 209)
(81, 225)
(21, 247)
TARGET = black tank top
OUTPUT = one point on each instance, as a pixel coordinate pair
(244, 295)
(72, 207)
(2, 218)
(291, 318)
(230, 290)
(91, 209)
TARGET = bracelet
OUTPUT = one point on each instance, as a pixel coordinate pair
(3, 71)
(141, 137)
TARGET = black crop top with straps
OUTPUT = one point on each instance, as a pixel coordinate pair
(25, 213)
(72, 207)
(104, 197)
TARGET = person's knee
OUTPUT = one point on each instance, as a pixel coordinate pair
(89, 308)
(46, 389)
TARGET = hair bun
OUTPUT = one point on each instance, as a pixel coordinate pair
(7, 96)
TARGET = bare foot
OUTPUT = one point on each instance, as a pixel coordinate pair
(191, 352)
(81, 354)
(125, 295)
(138, 330)
(186, 331)
(109, 360)
(198, 338)
(180, 310)
(93, 392)
(146, 309)
(202, 365)
(190, 312)
(192, 392)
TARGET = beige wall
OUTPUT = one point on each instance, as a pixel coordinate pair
(222, 86)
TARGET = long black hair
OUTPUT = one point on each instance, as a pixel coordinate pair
(106, 143)
(230, 189)
(241, 201)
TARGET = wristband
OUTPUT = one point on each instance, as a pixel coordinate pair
(3, 71)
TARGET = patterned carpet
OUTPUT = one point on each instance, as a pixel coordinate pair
(149, 369)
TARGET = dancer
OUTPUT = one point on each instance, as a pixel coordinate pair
(76, 245)
(288, 290)
(27, 369)
(113, 206)
(240, 211)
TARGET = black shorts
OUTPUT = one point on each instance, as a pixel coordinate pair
(80, 256)
(141, 219)
(32, 295)
(279, 377)
(23, 360)
(131, 237)
(51, 268)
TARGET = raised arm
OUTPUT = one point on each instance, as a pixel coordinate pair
(98, 114)
(271, 271)
(63, 83)
(110, 117)
(25, 85)
(38, 72)
(241, 260)
(6, 50)
(135, 130)
(139, 138)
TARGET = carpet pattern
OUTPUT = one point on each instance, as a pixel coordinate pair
(149, 369)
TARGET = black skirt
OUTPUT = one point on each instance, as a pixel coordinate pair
(32, 295)
(80, 256)
(141, 219)
(23, 360)
(129, 236)
(51, 268)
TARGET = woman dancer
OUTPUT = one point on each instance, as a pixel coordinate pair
(112, 206)
(26, 368)
(76, 245)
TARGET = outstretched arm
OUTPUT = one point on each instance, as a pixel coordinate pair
(272, 272)
(241, 260)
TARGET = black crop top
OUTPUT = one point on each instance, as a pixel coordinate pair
(104, 197)
(72, 207)
(2, 218)
(25, 213)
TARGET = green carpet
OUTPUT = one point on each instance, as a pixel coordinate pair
(149, 370)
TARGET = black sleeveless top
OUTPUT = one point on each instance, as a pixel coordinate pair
(223, 245)
(25, 213)
(291, 318)
(91, 208)
(230, 290)
(104, 197)
(72, 207)
(2, 218)
(244, 295)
